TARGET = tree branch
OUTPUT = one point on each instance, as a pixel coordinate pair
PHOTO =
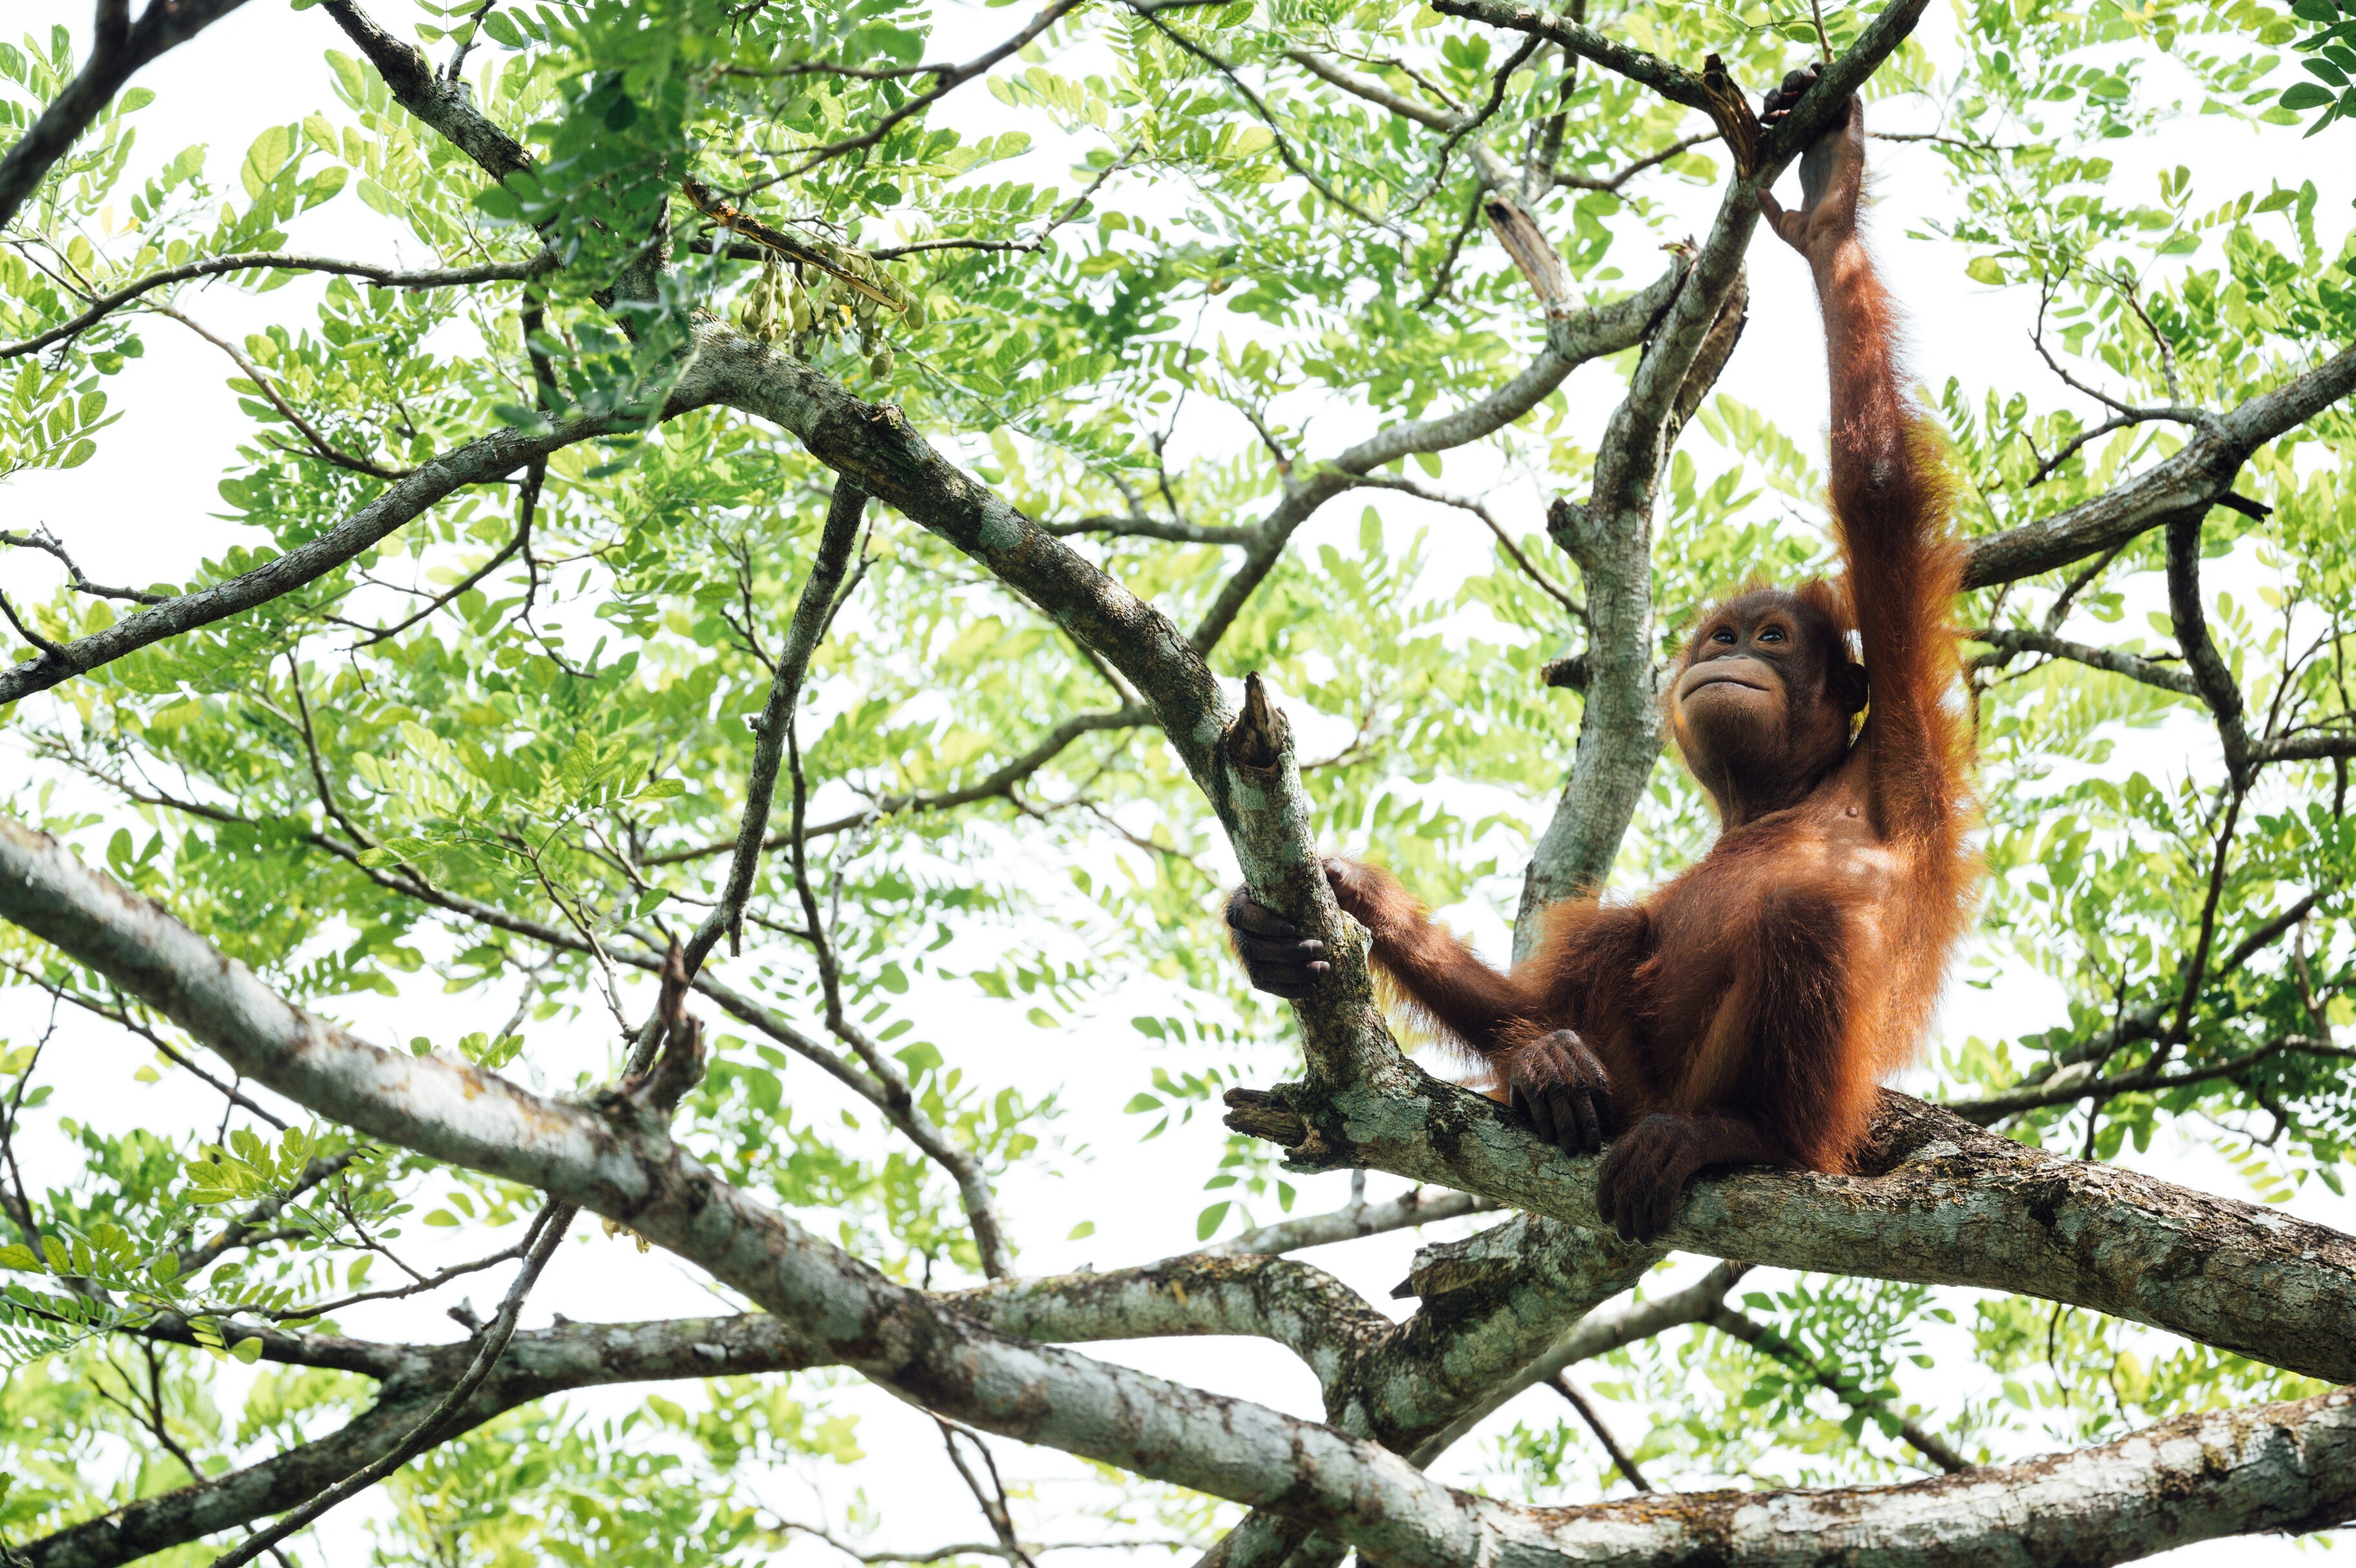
(1600, 1333)
(445, 104)
(119, 48)
(2273, 1467)
(1414, 1206)
(2012, 641)
(49, 543)
(286, 261)
(2210, 679)
(2198, 476)
(997, 784)
(812, 612)
(493, 456)
(1945, 1203)
(2079, 1082)
(1672, 82)
(1613, 182)
(1763, 1338)
(948, 80)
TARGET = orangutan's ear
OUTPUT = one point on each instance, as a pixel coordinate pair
(1846, 684)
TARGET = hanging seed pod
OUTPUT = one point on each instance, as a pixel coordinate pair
(914, 312)
(797, 308)
(880, 367)
(756, 313)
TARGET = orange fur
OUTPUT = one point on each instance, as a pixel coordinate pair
(1765, 992)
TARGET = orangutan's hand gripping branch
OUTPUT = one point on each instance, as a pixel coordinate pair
(1745, 1010)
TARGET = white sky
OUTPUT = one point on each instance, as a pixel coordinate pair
(141, 511)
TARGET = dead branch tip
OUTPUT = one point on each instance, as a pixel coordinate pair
(1730, 111)
(1259, 735)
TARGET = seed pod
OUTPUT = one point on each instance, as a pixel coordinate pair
(757, 312)
(880, 367)
(798, 306)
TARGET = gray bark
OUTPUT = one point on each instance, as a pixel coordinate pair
(2269, 1467)
(2197, 477)
(493, 456)
(120, 48)
(1945, 1203)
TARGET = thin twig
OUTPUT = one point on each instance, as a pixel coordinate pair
(105, 305)
(321, 447)
(550, 1229)
(1259, 107)
(1614, 182)
(1765, 1339)
(41, 538)
(991, 1498)
(1064, 215)
(812, 612)
(506, 553)
(1620, 1458)
(1529, 568)
(949, 80)
(48, 648)
(162, 1047)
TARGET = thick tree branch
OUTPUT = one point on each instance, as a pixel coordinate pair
(120, 48)
(2211, 678)
(2198, 476)
(2273, 1466)
(444, 103)
(1946, 1204)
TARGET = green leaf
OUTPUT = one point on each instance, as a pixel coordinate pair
(1985, 269)
(1211, 1218)
(264, 160)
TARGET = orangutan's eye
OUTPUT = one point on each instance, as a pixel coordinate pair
(1722, 635)
(1772, 634)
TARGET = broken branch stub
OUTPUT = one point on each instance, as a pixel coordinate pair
(1729, 110)
(1259, 737)
(1534, 255)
